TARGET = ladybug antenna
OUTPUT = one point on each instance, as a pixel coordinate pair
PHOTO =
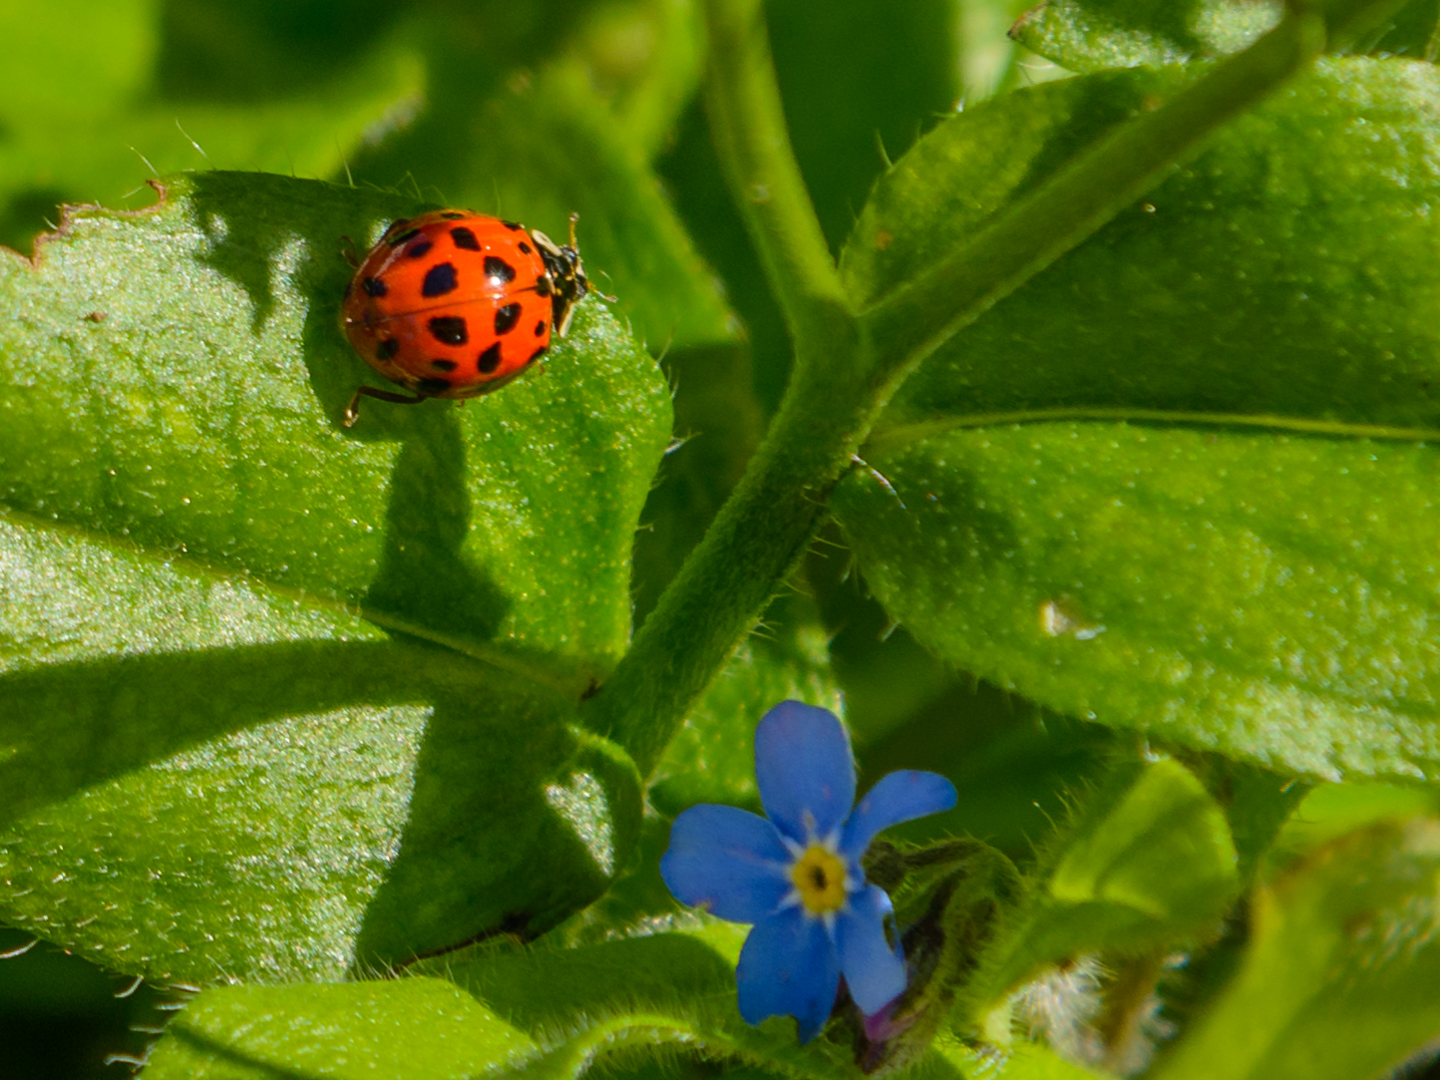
(574, 217)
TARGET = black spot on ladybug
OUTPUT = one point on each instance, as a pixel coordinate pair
(489, 359)
(449, 330)
(526, 248)
(443, 365)
(512, 226)
(452, 215)
(543, 286)
(541, 351)
(540, 328)
(439, 280)
(499, 269)
(506, 318)
(420, 249)
(403, 238)
(432, 386)
(374, 286)
(464, 238)
(387, 349)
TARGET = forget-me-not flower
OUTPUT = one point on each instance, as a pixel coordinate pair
(797, 877)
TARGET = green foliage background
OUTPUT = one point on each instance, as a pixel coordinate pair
(1139, 554)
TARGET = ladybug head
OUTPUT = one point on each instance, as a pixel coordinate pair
(567, 274)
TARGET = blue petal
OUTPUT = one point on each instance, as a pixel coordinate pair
(874, 971)
(788, 967)
(726, 860)
(804, 770)
(899, 796)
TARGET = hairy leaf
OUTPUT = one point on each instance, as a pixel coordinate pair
(1084, 35)
(543, 1014)
(218, 765)
(1257, 595)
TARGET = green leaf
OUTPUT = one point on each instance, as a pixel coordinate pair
(189, 545)
(415, 1029)
(162, 811)
(1148, 864)
(543, 1013)
(1254, 595)
(1344, 942)
(193, 375)
(1308, 216)
(1308, 318)
(1085, 35)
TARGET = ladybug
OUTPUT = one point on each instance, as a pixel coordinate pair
(454, 304)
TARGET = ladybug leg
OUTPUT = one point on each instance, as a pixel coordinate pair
(352, 411)
(347, 251)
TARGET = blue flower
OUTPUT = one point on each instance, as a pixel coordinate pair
(797, 877)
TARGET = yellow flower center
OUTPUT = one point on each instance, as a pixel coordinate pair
(820, 876)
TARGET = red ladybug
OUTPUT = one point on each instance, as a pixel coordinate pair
(454, 304)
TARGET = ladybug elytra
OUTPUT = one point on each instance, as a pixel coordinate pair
(454, 304)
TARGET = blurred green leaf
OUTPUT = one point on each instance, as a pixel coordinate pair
(1250, 594)
(645, 58)
(1149, 863)
(93, 104)
(1085, 35)
(1413, 32)
(990, 61)
(1339, 977)
(1331, 811)
(190, 543)
(1258, 804)
(860, 81)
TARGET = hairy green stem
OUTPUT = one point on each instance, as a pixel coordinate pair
(847, 368)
